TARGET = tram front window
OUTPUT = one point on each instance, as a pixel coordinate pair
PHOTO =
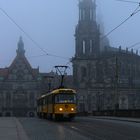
(65, 98)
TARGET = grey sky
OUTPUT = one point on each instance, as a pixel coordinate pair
(52, 23)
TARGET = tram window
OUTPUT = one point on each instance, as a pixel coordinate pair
(65, 98)
(39, 102)
(50, 99)
(43, 101)
(46, 100)
(56, 99)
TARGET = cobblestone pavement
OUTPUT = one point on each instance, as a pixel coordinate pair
(39, 129)
(83, 128)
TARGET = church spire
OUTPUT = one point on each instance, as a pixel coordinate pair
(20, 50)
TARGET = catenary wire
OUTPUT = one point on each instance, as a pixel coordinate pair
(37, 45)
(133, 13)
(135, 2)
(132, 46)
(35, 56)
(29, 37)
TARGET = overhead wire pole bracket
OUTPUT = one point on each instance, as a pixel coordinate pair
(49, 81)
(62, 71)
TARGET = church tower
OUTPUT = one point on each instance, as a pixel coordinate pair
(87, 31)
(87, 43)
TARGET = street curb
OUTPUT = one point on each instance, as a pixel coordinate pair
(118, 119)
(20, 131)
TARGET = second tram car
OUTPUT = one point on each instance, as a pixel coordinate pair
(58, 104)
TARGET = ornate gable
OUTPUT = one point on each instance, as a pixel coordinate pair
(20, 69)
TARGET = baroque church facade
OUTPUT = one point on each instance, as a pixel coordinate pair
(106, 78)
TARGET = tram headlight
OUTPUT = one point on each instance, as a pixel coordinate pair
(60, 109)
(72, 109)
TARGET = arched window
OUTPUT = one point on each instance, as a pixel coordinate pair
(84, 47)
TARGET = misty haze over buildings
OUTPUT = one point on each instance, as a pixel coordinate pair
(52, 23)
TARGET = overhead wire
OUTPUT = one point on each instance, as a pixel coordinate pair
(133, 13)
(48, 54)
(29, 37)
(35, 56)
(135, 2)
(132, 46)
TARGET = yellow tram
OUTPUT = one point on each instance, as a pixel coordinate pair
(58, 104)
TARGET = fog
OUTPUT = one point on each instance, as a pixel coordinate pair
(51, 23)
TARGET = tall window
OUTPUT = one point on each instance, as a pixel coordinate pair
(83, 73)
(91, 14)
(90, 46)
(83, 15)
(84, 47)
(80, 14)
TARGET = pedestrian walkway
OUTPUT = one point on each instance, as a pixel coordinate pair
(136, 120)
(11, 129)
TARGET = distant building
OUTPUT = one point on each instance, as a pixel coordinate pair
(21, 85)
(105, 78)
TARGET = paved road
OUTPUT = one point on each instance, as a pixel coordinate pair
(82, 128)
(106, 129)
(39, 129)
